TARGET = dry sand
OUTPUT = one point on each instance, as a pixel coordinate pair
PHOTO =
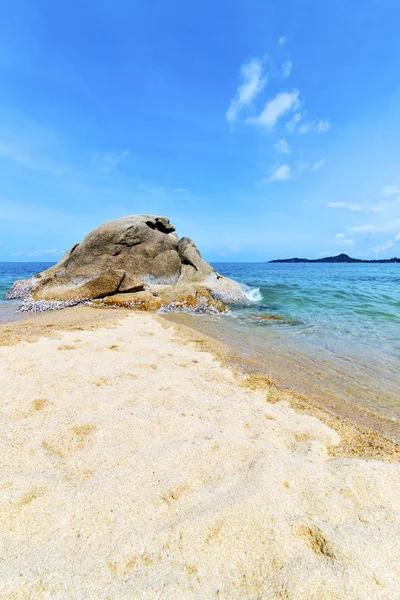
(134, 465)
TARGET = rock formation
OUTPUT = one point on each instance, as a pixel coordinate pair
(136, 261)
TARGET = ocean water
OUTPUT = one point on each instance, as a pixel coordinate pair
(339, 339)
(338, 335)
(10, 272)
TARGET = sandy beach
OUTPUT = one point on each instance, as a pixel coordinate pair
(136, 464)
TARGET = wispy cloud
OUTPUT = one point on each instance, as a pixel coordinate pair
(282, 147)
(302, 166)
(318, 126)
(294, 121)
(109, 161)
(15, 152)
(391, 225)
(342, 240)
(345, 205)
(386, 245)
(283, 41)
(378, 207)
(253, 83)
(28, 144)
(323, 126)
(281, 173)
(384, 206)
(287, 68)
(52, 252)
(390, 190)
(319, 164)
(233, 248)
(275, 109)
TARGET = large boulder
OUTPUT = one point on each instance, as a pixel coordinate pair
(99, 287)
(136, 254)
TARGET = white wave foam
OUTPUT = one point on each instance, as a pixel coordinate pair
(254, 295)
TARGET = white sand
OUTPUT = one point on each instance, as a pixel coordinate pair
(134, 466)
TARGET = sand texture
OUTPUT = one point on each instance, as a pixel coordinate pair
(134, 466)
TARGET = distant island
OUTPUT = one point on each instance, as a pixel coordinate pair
(340, 258)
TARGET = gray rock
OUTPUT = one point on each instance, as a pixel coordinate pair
(130, 283)
(98, 287)
(128, 255)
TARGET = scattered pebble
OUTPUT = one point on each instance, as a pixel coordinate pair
(39, 306)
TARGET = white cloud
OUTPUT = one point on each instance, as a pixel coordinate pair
(379, 207)
(282, 146)
(25, 157)
(283, 40)
(366, 228)
(342, 240)
(294, 121)
(391, 225)
(390, 190)
(318, 126)
(11, 152)
(384, 206)
(180, 190)
(282, 173)
(233, 248)
(383, 247)
(346, 205)
(30, 145)
(287, 68)
(52, 251)
(109, 161)
(306, 166)
(386, 245)
(323, 126)
(306, 128)
(275, 108)
(318, 165)
(253, 84)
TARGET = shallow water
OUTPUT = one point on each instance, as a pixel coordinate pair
(340, 333)
(10, 272)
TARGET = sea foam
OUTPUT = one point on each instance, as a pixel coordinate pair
(252, 294)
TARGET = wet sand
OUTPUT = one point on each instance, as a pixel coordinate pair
(314, 381)
(136, 464)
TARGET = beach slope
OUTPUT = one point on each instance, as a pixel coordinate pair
(135, 465)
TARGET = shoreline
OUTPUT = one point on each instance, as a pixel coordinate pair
(318, 398)
(8, 313)
(369, 433)
(366, 434)
(135, 463)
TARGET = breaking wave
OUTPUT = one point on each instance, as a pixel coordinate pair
(252, 294)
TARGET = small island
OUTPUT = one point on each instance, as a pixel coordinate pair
(340, 258)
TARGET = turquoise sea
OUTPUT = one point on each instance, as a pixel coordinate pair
(339, 337)
(10, 272)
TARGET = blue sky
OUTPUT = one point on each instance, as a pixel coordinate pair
(262, 129)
